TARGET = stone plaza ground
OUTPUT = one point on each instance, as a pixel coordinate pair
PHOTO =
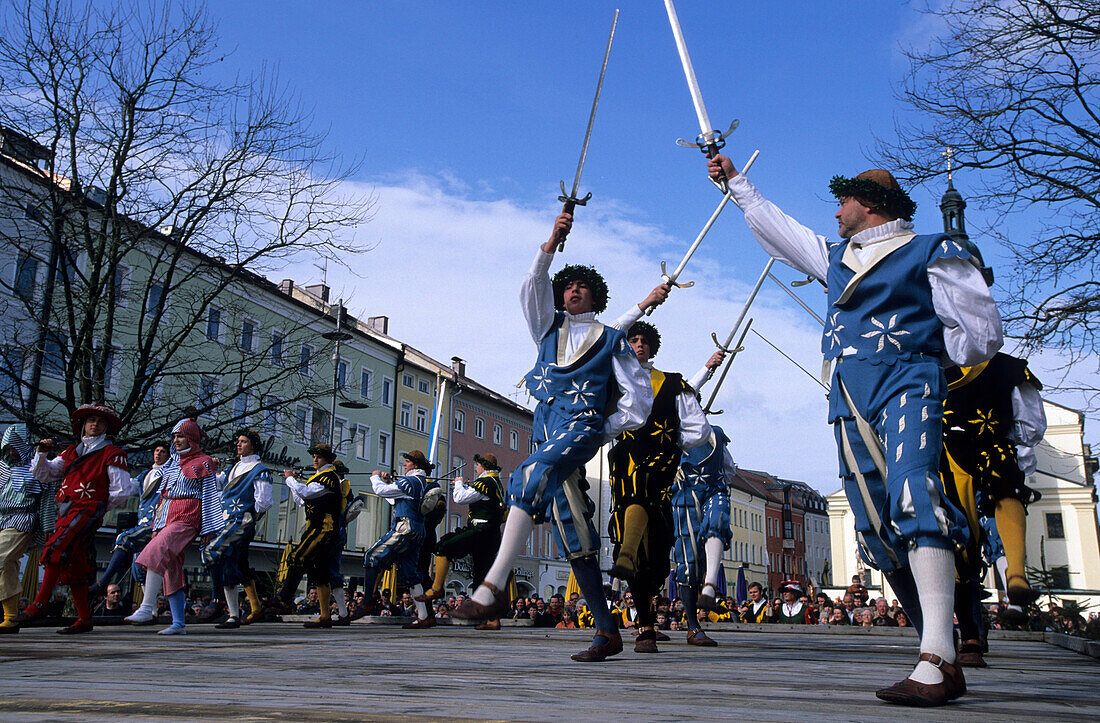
(279, 671)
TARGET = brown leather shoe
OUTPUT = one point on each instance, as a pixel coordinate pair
(595, 653)
(662, 638)
(707, 602)
(318, 623)
(646, 642)
(970, 655)
(1022, 595)
(80, 626)
(341, 622)
(429, 595)
(489, 625)
(470, 610)
(927, 695)
(420, 624)
(699, 638)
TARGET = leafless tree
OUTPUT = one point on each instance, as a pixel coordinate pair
(1013, 88)
(145, 190)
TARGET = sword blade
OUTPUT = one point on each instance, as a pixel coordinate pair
(595, 102)
(705, 127)
(726, 367)
(737, 324)
(706, 228)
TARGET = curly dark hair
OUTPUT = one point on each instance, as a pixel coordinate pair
(893, 200)
(253, 437)
(648, 332)
(590, 277)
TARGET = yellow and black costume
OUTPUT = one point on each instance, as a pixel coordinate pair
(322, 498)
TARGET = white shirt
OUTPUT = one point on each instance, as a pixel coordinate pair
(119, 484)
(971, 324)
(537, 299)
(300, 492)
(390, 490)
(463, 494)
(1030, 424)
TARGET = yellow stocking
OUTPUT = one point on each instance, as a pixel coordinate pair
(442, 567)
(1012, 525)
(324, 597)
(635, 522)
(11, 609)
(253, 597)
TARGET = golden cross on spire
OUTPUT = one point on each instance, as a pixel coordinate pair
(948, 153)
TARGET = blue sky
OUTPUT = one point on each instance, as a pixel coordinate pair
(466, 116)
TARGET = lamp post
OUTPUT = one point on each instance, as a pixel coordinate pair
(338, 336)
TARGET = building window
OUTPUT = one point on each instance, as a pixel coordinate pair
(271, 416)
(1059, 578)
(341, 373)
(498, 435)
(513, 439)
(208, 391)
(405, 419)
(154, 299)
(479, 427)
(423, 386)
(302, 419)
(214, 324)
(247, 340)
(362, 442)
(110, 373)
(11, 372)
(366, 383)
(277, 338)
(383, 448)
(121, 284)
(26, 271)
(407, 380)
(460, 421)
(240, 408)
(457, 464)
(1055, 529)
(387, 392)
(305, 361)
(338, 436)
(421, 419)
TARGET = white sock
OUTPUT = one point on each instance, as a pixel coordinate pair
(714, 548)
(154, 583)
(1002, 568)
(421, 607)
(516, 531)
(934, 573)
(233, 601)
(341, 602)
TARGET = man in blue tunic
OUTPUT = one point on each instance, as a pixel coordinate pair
(246, 496)
(900, 304)
(412, 495)
(590, 387)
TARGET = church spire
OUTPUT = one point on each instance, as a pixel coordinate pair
(953, 207)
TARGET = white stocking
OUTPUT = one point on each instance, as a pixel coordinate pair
(516, 531)
(934, 574)
(233, 601)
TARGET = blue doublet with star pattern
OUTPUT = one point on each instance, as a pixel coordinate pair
(886, 402)
(700, 506)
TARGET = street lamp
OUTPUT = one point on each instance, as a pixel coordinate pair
(337, 335)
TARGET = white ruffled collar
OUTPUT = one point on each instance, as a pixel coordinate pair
(888, 230)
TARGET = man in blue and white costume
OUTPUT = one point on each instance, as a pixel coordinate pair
(132, 541)
(412, 495)
(246, 496)
(590, 387)
(899, 305)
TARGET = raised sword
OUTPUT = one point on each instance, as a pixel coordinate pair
(709, 140)
(571, 200)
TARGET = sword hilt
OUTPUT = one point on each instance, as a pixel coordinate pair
(710, 144)
(570, 202)
(720, 345)
(809, 280)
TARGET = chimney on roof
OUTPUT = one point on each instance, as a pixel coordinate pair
(380, 324)
(321, 290)
(286, 286)
(458, 365)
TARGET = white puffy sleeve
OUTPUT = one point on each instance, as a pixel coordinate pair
(536, 296)
(971, 323)
(781, 236)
